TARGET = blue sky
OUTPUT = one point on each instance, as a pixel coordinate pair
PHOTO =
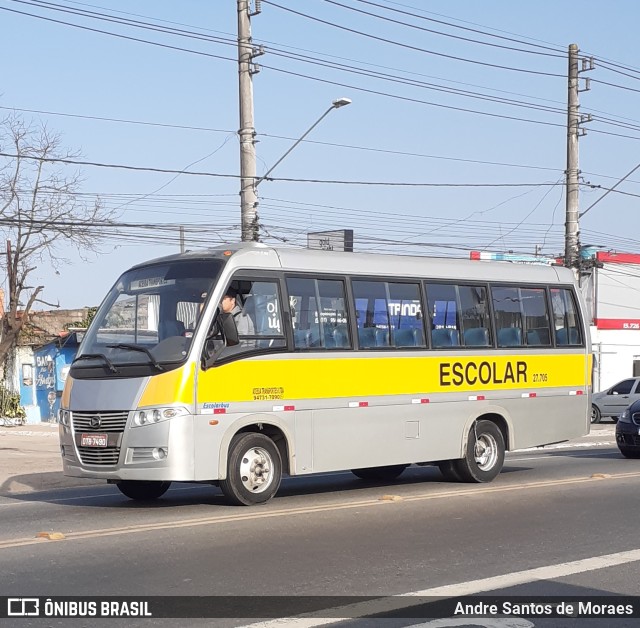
(393, 132)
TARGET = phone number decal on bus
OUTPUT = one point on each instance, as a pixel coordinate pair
(268, 394)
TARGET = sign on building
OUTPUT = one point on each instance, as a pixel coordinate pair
(339, 240)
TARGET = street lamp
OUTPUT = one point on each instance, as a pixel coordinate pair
(336, 104)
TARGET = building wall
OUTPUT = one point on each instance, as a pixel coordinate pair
(23, 377)
(39, 375)
(51, 367)
(616, 332)
(617, 356)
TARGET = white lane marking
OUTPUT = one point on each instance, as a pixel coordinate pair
(472, 587)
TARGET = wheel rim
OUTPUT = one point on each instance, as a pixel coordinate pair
(256, 470)
(594, 414)
(486, 452)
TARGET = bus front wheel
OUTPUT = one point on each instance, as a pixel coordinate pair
(143, 491)
(484, 456)
(254, 470)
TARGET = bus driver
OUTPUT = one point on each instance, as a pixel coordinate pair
(230, 305)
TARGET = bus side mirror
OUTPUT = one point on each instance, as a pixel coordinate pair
(225, 324)
(228, 329)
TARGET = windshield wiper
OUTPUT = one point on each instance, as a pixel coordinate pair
(124, 345)
(97, 356)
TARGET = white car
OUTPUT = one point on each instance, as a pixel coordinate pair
(613, 401)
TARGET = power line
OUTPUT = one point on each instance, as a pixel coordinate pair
(629, 89)
(77, 162)
(417, 83)
(138, 24)
(407, 46)
(450, 24)
(119, 120)
(429, 30)
(316, 142)
(307, 59)
(413, 100)
(229, 41)
(120, 36)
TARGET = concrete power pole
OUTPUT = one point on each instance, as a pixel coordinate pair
(574, 131)
(571, 251)
(247, 132)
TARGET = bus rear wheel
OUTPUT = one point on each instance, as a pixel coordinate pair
(484, 456)
(380, 474)
(254, 470)
(143, 491)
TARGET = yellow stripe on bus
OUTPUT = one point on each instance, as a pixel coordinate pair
(172, 387)
(249, 380)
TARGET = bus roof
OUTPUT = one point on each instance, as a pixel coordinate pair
(257, 255)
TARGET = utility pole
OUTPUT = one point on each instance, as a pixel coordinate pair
(247, 132)
(571, 252)
(574, 131)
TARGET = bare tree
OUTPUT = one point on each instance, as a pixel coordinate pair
(40, 210)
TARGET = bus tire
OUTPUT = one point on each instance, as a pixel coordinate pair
(484, 457)
(449, 471)
(380, 474)
(143, 491)
(254, 470)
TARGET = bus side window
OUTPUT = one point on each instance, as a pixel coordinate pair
(507, 309)
(565, 317)
(318, 313)
(444, 320)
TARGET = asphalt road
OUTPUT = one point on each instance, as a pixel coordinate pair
(334, 535)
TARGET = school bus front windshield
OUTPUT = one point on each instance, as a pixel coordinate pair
(148, 319)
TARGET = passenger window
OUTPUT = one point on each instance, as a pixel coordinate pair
(474, 312)
(521, 316)
(372, 314)
(318, 313)
(536, 316)
(389, 314)
(508, 316)
(405, 315)
(565, 317)
(443, 315)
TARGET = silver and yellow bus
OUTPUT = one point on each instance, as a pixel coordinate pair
(358, 362)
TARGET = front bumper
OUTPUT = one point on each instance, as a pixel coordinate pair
(628, 435)
(157, 452)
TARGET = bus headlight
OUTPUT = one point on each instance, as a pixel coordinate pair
(149, 416)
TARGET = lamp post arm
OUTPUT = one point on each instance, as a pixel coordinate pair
(313, 126)
(609, 190)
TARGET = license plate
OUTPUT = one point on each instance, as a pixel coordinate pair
(93, 440)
